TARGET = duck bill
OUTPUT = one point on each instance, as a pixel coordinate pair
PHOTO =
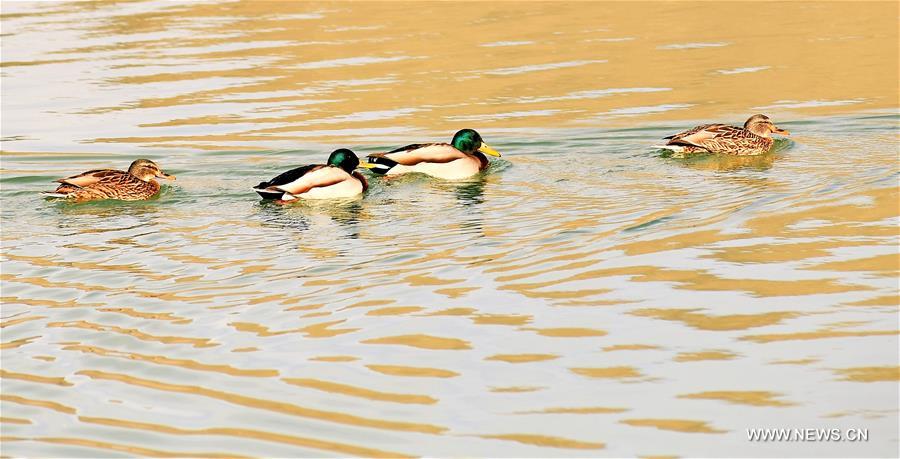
(486, 149)
(365, 165)
(165, 176)
(778, 130)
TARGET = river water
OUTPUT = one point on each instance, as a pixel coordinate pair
(585, 296)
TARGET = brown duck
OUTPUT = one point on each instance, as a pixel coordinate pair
(134, 185)
(752, 139)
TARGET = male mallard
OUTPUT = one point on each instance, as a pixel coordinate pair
(752, 139)
(461, 158)
(337, 179)
(135, 185)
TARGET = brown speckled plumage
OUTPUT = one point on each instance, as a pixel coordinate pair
(134, 185)
(752, 139)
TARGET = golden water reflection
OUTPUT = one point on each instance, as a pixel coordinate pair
(262, 75)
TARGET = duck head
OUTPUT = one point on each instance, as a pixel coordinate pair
(346, 160)
(146, 170)
(762, 126)
(468, 141)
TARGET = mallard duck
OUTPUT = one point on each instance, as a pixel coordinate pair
(136, 184)
(461, 158)
(337, 179)
(752, 139)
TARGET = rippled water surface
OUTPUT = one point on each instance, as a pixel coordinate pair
(585, 296)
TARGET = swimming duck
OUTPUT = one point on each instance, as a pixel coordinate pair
(136, 184)
(752, 139)
(336, 179)
(461, 158)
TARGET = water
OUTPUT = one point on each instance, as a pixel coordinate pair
(585, 296)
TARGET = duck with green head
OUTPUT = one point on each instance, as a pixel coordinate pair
(463, 157)
(336, 179)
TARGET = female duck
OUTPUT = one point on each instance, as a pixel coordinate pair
(461, 158)
(337, 179)
(136, 184)
(752, 139)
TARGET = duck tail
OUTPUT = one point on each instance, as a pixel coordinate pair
(381, 164)
(268, 193)
(273, 193)
(675, 148)
(53, 194)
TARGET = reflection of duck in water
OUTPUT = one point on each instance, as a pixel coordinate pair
(723, 163)
(337, 179)
(462, 157)
(136, 184)
(752, 139)
(306, 216)
(470, 193)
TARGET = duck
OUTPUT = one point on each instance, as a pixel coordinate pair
(463, 157)
(337, 178)
(135, 184)
(753, 139)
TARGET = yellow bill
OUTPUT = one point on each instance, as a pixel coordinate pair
(366, 165)
(486, 149)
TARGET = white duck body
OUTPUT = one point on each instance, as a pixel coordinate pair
(439, 160)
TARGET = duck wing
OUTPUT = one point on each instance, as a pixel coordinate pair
(411, 155)
(701, 134)
(289, 176)
(92, 177)
(271, 189)
(410, 147)
(300, 180)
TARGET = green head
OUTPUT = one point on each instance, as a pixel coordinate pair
(468, 141)
(343, 158)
